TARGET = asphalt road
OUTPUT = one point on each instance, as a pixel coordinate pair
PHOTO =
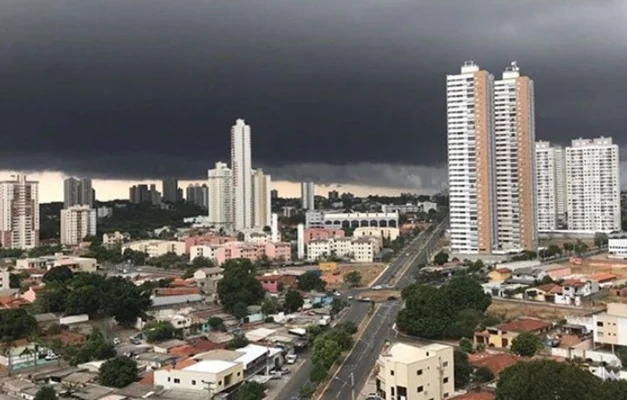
(416, 252)
(362, 358)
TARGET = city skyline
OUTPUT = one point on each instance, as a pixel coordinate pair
(382, 95)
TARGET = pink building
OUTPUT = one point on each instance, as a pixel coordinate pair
(207, 240)
(279, 251)
(322, 233)
(270, 283)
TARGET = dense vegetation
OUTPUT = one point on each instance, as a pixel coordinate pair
(16, 324)
(118, 372)
(451, 311)
(328, 347)
(95, 294)
(238, 287)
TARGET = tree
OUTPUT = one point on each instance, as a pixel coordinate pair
(215, 323)
(202, 262)
(547, 380)
(461, 369)
(349, 326)
(615, 390)
(526, 344)
(84, 300)
(318, 373)
(269, 306)
(307, 390)
(310, 280)
(240, 310)
(125, 301)
(15, 280)
(135, 257)
(353, 278)
(580, 247)
(483, 375)
(441, 258)
(118, 372)
(94, 348)
(157, 331)
(240, 236)
(465, 345)
(46, 393)
(239, 285)
(251, 390)
(325, 352)
(293, 300)
(568, 247)
(600, 239)
(60, 274)
(237, 342)
(16, 324)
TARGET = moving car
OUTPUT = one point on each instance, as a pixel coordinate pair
(378, 287)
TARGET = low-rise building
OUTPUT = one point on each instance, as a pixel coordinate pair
(76, 264)
(310, 234)
(415, 373)
(114, 238)
(215, 376)
(361, 249)
(156, 248)
(610, 327)
(5, 277)
(501, 336)
(380, 232)
(500, 274)
(617, 249)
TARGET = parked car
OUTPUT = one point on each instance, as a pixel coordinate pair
(291, 358)
(51, 356)
(275, 374)
(351, 297)
(391, 298)
(116, 341)
(378, 287)
(285, 371)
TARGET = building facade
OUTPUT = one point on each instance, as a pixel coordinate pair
(415, 373)
(242, 202)
(470, 135)
(593, 189)
(514, 153)
(76, 223)
(262, 202)
(197, 194)
(551, 186)
(219, 191)
(610, 327)
(77, 192)
(170, 190)
(19, 213)
(307, 195)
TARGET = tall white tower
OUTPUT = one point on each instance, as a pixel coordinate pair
(550, 186)
(307, 195)
(275, 228)
(300, 241)
(593, 176)
(242, 202)
(262, 185)
(514, 154)
(219, 193)
(470, 135)
(19, 213)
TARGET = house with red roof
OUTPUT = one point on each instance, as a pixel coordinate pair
(501, 336)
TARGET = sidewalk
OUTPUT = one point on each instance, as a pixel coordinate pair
(369, 387)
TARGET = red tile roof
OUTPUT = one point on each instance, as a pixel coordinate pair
(603, 277)
(268, 277)
(179, 291)
(524, 325)
(185, 350)
(494, 362)
(550, 288)
(503, 270)
(148, 379)
(573, 283)
(202, 345)
(474, 396)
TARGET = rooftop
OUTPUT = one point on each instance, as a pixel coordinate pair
(210, 366)
(524, 325)
(408, 354)
(494, 362)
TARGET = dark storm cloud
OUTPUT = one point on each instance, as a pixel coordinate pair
(348, 90)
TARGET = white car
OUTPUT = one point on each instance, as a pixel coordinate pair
(351, 297)
(291, 358)
(116, 341)
(378, 287)
(51, 356)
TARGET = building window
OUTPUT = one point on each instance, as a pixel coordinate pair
(420, 389)
(419, 372)
(392, 372)
(193, 382)
(445, 380)
(445, 395)
(169, 379)
(177, 380)
(445, 364)
(599, 323)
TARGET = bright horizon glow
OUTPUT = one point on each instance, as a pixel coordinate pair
(51, 187)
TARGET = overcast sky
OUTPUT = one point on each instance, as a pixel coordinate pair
(342, 91)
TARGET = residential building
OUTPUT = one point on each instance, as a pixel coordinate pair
(5, 281)
(219, 190)
(170, 190)
(207, 240)
(262, 212)
(207, 279)
(77, 192)
(112, 239)
(501, 336)
(76, 264)
(514, 154)
(242, 202)
(154, 195)
(300, 241)
(361, 249)
(383, 233)
(610, 327)
(593, 190)
(156, 248)
(289, 211)
(197, 194)
(274, 194)
(77, 222)
(19, 213)
(310, 234)
(220, 253)
(307, 195)
(471, 163)
(104, 212)
(617, 249)
(410, 372)
(139, 194)
(551, 186)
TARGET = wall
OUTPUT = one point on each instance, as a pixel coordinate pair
(598, 356)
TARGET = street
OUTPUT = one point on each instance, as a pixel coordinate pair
(367, 348)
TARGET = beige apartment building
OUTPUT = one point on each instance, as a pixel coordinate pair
(610, 327)
(415, 373)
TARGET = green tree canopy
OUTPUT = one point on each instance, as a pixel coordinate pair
(239, 285)
(202, 262)
(526, 344)
(157, 331)
(325, 352)
(118, 372)
(94, 348)
(310, 280)
(353, 278)
(46, 393)
(16, 324)
(270, 306)
(462, 369)
(547, 380)
(215, 323)
(251, 391)
(60, 274)
(318, 373)
(293, 300)
(237, 342)
(441, 258)
(483, 375)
